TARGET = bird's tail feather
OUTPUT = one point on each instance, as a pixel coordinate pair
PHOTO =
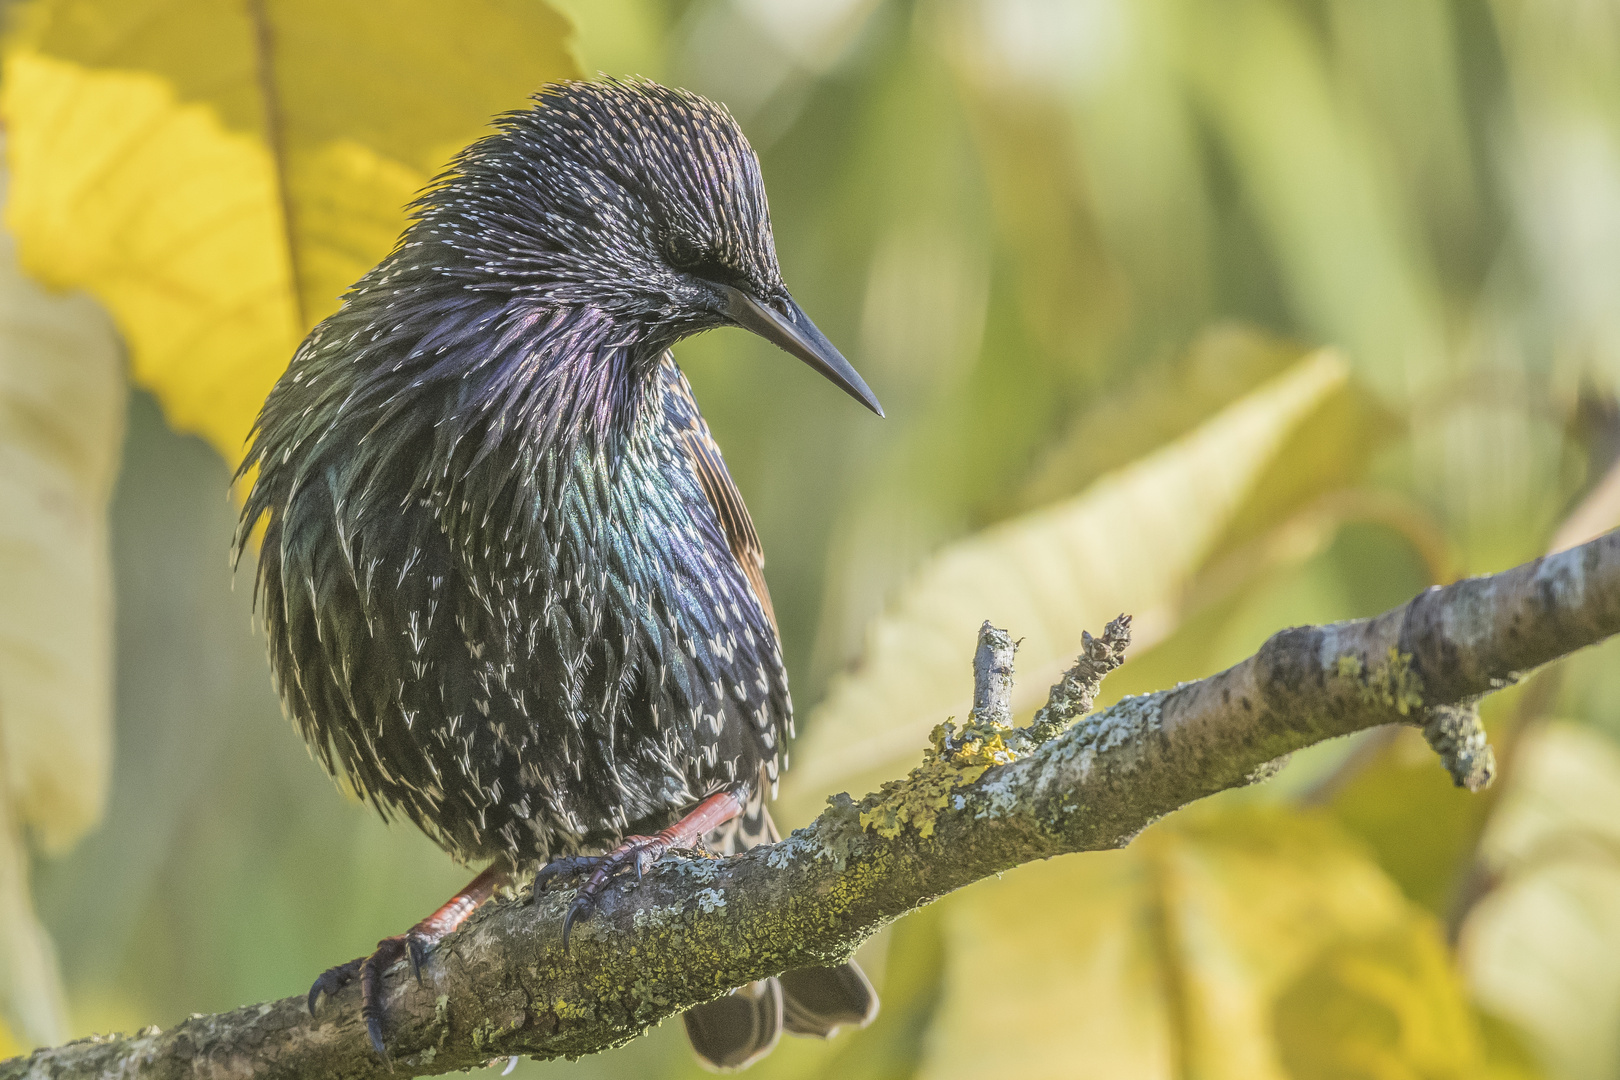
(819, 1001)
(735, 1031)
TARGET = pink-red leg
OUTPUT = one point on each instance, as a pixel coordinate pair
(413, 944)
(639, 852)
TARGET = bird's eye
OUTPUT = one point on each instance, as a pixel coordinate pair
(698, 260)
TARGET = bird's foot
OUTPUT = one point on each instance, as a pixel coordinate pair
(369, 970)
(412, 945)
(569, 866)
(638, 852)
(332, 980)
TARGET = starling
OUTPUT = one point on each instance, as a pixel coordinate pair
(510, 590)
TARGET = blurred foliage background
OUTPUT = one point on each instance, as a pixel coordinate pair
(1233, 316)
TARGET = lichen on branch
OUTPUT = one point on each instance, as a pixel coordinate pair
(988, 797)
(956, 757)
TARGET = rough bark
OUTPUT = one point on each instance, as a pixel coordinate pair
(985, 800)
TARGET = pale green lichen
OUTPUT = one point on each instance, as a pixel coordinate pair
(956, 758)
(1393, 684)
(700, 870)
(841, 827)
(780, 856)
(710, 900)
(655, 916)
(1458, 736)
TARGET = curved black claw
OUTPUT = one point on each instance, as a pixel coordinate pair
(370, 969)
(413, 946)
(389, 949)
(581, 905)
(374, 1029)
(565, 867)
(332, 980)
(416, 949)
(638, 852)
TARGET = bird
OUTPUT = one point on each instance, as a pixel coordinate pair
(510, 591)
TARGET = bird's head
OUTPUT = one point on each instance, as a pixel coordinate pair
(641, 204)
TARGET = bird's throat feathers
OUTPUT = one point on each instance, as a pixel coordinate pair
(466, 403)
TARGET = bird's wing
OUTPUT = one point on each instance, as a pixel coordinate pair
(727, 501)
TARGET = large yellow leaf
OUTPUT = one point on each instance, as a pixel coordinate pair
(61, 429)
(1540, 948)
(1131, 542)
(1222, 364)
(218, 174)
(1251, 944)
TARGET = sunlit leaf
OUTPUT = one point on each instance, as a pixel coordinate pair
(61, 427)
(1418, 824)
(1131, 542)
(1321, 460)
(1388, 1004)
(1539, 947)
(218, 174)
(1221, 365)
(1107, 203)
(1402, 60)
(1251, 943)
(1563, 58)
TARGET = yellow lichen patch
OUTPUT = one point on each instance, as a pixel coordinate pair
(956, 758)
(1393, 684)
(568, 1009)
(977, 744)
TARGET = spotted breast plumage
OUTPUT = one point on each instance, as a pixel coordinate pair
(510, 590)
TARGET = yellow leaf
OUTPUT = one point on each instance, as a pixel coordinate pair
(1378, 804)
(1388, 1005)
(1540, 947)
(219, 174)
(1131, 542)
(1223, 363)
(61, 429)
(1245, 943)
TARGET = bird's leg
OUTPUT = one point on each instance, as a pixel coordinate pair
(640, 852)
(413, 944)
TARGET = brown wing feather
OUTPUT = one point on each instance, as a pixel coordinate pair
(727, 501)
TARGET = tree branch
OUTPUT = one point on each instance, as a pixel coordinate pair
(986, 799)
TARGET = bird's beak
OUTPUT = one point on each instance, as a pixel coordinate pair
(795, 333)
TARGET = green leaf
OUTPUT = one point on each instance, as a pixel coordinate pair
(1354, 269)
(1386, 1005)
(218, 174)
